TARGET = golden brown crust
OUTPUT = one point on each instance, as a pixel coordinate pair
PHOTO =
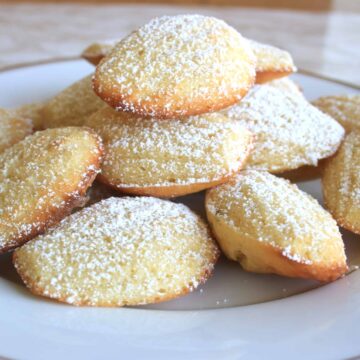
(270, 226)
(71, 199)
(304, 173)
(148, 75)
(158, 106)
(266, 76)
(38, 291)
(92, 58)
(97, 50)
(271, 62)
(70, 202)
(169, 158)
(291, 268)
(112, 259)
(165, 191)
(175, 190)
(261, 76)
(47, 221)
(268, 255)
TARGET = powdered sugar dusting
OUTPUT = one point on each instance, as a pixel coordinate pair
(39, 175)
(144, 152)
(268, 58)
(271, 210)
(174, 62)
(289, 131)
(120, 251)
(286, 85)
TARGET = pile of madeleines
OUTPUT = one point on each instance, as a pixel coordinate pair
(181, 105)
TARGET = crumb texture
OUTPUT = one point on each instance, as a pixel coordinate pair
(120, 251)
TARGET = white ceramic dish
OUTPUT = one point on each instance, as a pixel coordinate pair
(234, 315)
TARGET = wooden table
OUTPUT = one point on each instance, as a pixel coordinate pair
(323, 42)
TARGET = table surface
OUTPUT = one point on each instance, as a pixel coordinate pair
(325, 43)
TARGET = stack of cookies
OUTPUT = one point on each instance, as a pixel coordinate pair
(181, 105)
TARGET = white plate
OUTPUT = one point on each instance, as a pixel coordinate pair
(234, 315)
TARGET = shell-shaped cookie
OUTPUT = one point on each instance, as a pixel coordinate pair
(289, 132)
(343, 108)
(175, 157)
(120, 251)
(71, 106)
(268, 225)
(13, 128)
(42, 178)
(271, 62)
(177, 66)
(341, 183)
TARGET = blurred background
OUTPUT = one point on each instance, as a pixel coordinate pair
(316, 5)
(322, 35)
